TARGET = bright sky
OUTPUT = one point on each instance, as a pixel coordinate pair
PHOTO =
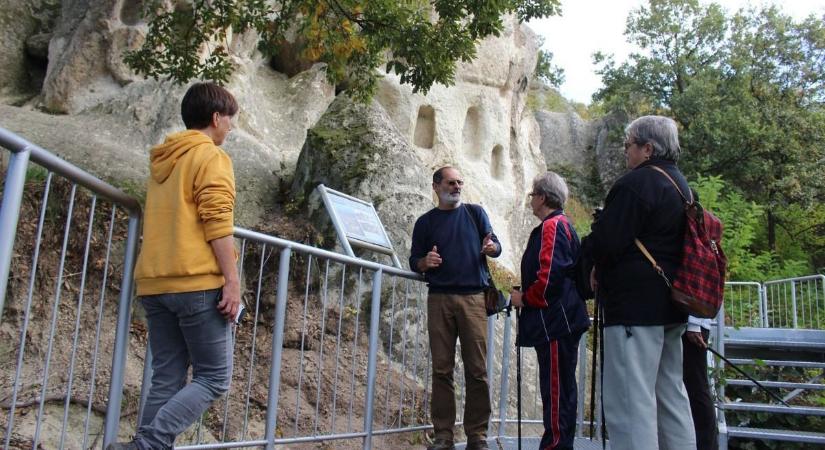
(587, 26)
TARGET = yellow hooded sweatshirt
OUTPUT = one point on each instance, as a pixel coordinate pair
(190, 199)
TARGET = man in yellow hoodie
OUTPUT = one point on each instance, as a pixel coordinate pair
(186, 275)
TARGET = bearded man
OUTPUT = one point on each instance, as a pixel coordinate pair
(449, 244)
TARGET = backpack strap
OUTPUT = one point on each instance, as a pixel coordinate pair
(469, 210)
(653, 262)
(484, 263)
(673, 182)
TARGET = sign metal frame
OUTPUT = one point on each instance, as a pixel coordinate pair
(357, 224)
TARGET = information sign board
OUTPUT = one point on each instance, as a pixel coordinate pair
(356, 222)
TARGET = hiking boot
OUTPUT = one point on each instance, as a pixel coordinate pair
(441, 444)
(123, 446)
(478, 445)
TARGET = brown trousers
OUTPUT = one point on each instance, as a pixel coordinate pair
(452, 316)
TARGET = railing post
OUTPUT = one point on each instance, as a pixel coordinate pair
(277, 348)
(765, 321)
(505, 378)
(762, 309)
(719, 343)
(793, 303)
(9, 215)
(491, 329)
(372, 359)
(580, 395)
(124, 316)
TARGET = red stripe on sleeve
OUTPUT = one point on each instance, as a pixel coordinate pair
(535, 294)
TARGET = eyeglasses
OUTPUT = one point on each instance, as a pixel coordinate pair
(456, 182)
(627, 144)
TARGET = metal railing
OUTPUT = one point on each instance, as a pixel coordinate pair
(795, 302)
(338, 324)
(334, 347)
(744, 304)
(62, 328)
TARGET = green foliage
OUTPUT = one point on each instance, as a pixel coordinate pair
(747, 259)
(419, 40)
(580, 216)
(546, 99)
(36, 174)
(546, 71)
(748, 92)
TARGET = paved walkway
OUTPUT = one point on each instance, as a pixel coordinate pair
(532, 443)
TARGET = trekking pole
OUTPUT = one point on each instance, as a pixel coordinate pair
(518, 377)
(593, 372)
(748, 376)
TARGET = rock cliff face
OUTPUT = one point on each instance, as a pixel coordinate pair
(479, 125)
(24, 36)
(110, 117)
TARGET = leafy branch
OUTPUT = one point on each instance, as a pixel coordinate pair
(419, 40)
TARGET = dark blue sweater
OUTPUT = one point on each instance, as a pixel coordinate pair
(457, 234)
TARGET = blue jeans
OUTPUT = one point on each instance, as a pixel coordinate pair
(184, 328)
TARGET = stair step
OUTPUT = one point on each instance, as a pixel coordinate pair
(776, 384)
(777, 435)
(775, 409)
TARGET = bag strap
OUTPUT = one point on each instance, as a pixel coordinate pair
(653, 262)
(470, 212)
(481, 239)
(641, 246)
(673, 182)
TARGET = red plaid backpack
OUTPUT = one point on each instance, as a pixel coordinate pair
(699, 284)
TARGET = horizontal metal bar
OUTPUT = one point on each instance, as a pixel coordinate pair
(777, 435)
(370, 246)
(402, 430)
(318, 438)
(742, 283)
(239, 444)
(324, 254)
(775, 409)
(16, 144)
(775, 362)
(805, 278)
(776, 384)
(523, 421)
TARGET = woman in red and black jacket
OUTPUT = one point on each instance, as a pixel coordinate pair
(553, 315)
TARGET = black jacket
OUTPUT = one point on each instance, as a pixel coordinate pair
(553, 308)
(641, 204)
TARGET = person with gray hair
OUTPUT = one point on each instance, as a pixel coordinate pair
(450, 244)
(552, 315)
(645, 403)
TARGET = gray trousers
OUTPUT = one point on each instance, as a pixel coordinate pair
(184, 328)
(645, 403)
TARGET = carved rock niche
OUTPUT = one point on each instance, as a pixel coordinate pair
(471, 133)
(424, 134)
(497, 164)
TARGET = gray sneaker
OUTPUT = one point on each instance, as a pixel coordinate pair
(441, 444)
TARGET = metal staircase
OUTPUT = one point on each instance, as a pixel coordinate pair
(752, 347)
